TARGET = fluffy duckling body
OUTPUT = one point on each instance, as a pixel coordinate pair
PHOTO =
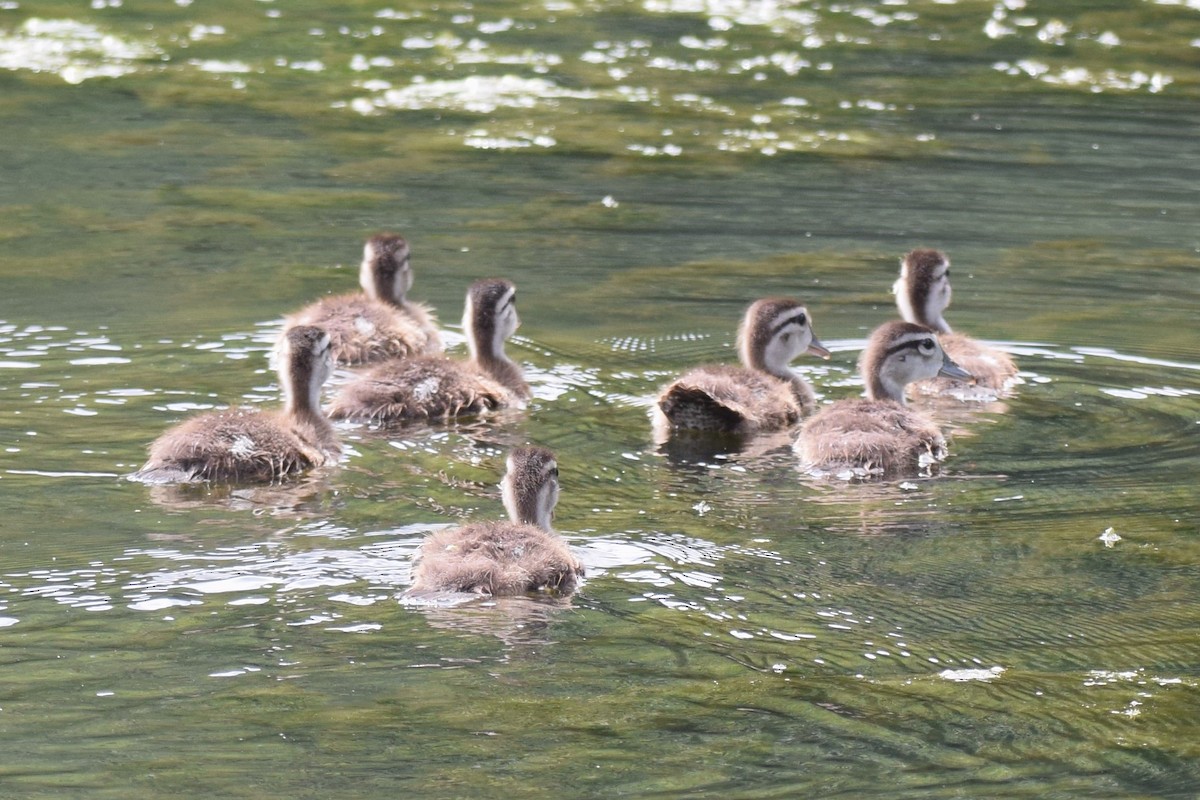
(380, 322)
(435, 387)
(520, 556)
(241, 444)
(763, 393)
(880, 435)
(923, 295)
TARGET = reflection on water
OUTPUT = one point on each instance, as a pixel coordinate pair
(180, 175)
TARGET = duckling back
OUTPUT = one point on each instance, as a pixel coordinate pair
(364, 330)
(419, 388)
(237, 445)
(251, 445)
(879, 437)
(730, 399)
(496, 558)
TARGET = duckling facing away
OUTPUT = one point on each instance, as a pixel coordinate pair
(922, 295)
(380, 322)
(242, 444)
(435, 387)
(505, 558)
(761, 395)
(879, 435)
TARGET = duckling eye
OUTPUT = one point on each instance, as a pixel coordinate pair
(927, 344)
(801, 319)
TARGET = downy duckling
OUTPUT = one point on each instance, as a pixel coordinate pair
(435, 387)
(922, 295)
(761, 395)
(505, 558)
(380, 322)
(879, 434)
(243, 444)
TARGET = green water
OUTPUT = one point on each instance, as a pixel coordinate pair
(641, 171)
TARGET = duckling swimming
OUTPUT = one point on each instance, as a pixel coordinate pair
(880, 435)
(242, 444)
(761, 395)
(505, 558)
(379, 323)
(922, 295)
(435, 387)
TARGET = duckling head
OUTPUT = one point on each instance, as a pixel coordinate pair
(923, 288)
(774, 331)
(385, 273)
(305, 363)
(490, 316)
(530, 486)
(899, 353)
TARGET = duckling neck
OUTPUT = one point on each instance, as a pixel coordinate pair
(400, 302)
(489, 357)
(304, 403)
(758, 361)
(529, 512)
(885, 387)
(503, 370)
(915, 306)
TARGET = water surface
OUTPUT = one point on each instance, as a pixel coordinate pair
(179, 175)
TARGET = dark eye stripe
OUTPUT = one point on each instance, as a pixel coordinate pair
(911, 344)
(798, 318)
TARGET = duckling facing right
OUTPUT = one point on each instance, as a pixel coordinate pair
(380, 322)
(880, 435)
(434, 387)
(761, 395)
(923, 295)
(240, 444)
(505, 558)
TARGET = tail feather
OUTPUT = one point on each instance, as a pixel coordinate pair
(693, 408)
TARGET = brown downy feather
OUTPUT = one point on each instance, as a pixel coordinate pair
(366, 331)
(923, 293)
(519, 556)
(763, 393)
(498, 558)
(723, 397)
(426, 387)
(880, 435)
(380, 322)
(250, 445)
(435, 387)
(877, 436)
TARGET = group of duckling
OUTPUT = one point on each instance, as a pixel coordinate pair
(405, 376)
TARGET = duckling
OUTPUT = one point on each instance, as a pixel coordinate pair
(434, 387)
(242, 444)
(505, 558)
(880, 434)
(761, 395)
(922, 295)
(380, 322)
